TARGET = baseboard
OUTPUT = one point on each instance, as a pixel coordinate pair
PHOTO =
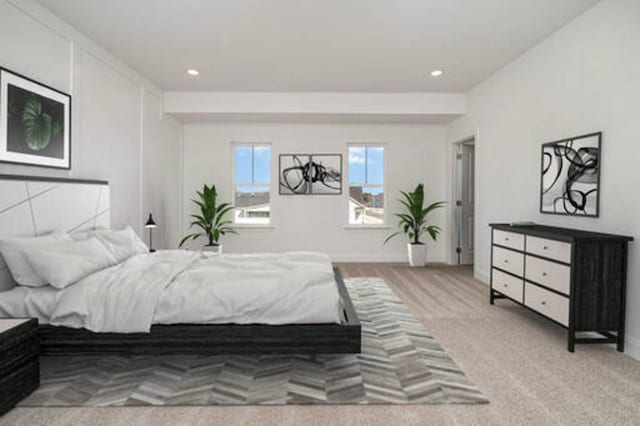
(481, 276)
(381, 258)
(632, 347)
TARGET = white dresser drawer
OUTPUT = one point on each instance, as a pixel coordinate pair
(549, 304)
(508, 285)
(549, 274)
(551, 249)
(508, 239)
(508, 260)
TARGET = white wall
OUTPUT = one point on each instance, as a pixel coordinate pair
(415, 153)
(584, 78)
(162, 172)
(116, 116)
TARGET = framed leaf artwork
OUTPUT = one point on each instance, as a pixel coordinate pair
(35, 123)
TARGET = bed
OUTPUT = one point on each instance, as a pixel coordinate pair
(275, 328)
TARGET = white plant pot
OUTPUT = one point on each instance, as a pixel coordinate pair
(213, 249)
(417, 254)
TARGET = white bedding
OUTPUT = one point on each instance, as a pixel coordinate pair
(170, 287)
(29, 302)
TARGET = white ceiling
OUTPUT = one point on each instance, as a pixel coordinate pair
(317, 45)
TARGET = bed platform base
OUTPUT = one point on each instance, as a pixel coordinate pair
(213, 339)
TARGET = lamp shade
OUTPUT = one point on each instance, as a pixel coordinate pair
(150, 222)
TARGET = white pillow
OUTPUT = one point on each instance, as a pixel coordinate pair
(13, 251)
(62, 263)
(122, 244)
(83, 235)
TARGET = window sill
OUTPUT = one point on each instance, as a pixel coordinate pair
(362, 227)
(251, 226)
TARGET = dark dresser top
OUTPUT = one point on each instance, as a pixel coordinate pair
(556, 233)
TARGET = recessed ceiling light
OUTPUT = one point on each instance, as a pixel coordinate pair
(436, 73)
(193, 72)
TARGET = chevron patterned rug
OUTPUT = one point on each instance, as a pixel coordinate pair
(400, 364)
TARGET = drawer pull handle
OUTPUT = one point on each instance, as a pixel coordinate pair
(506, 238)
(545, 248)
(544, 274)
(506, 285)
(543, 302)
(506, 261)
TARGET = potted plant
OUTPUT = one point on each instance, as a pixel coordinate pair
(211, 220)
(413, 223)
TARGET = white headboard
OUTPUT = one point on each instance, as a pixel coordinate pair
(31, 206)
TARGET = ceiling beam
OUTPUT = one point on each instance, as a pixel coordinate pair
(419, 106)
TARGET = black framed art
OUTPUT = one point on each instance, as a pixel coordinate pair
(570, 178)
(310, 174)
(35, 122)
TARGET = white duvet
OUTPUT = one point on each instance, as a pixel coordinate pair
(171, 287)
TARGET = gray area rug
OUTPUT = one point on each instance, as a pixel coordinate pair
(400, 364)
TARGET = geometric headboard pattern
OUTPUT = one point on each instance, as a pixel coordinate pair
(31, 206)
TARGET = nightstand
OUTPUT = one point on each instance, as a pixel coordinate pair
(19, 368)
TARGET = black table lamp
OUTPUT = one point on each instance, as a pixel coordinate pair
(150, 225)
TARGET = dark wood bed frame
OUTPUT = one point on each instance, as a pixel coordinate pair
(206, 339)
(213, 339)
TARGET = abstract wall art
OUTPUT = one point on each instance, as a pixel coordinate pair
(35, 123)
(310, 174)
(570, 183)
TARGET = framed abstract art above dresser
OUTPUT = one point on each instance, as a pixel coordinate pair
(570, 178)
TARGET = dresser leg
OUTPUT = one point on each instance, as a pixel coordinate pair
(620, 344)
(572, 341)
(491, 298)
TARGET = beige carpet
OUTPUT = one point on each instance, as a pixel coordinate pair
(518, 359)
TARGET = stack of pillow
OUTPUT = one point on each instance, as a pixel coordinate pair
(61, 259)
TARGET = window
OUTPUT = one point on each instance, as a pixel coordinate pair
(252, 184)
(366, 184)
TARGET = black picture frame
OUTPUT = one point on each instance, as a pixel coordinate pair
(43, 139)
(565, 164)
(304, 184)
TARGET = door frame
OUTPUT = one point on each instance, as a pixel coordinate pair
(472, 138)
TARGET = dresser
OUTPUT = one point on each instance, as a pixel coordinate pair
(574, 278)
(19, 369)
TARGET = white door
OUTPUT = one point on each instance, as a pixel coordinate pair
(465, 207)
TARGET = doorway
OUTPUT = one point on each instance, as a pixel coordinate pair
(464, 197)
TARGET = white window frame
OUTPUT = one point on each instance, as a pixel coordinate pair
(385, 221)
(234, 185)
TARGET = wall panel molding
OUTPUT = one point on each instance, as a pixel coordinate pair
(109, 133)
(47, 18)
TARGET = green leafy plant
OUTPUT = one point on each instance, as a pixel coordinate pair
(211, 220)
(413, 222)
(39, 126)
